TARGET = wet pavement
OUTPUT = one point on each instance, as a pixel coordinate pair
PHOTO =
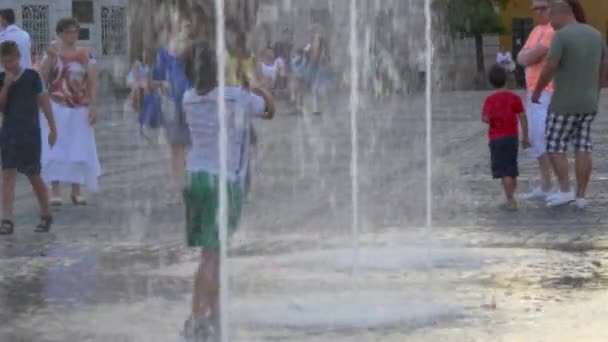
(117, 270)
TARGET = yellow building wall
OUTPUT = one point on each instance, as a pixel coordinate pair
(595, 10)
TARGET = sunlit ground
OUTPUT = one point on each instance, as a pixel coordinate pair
(117, 270)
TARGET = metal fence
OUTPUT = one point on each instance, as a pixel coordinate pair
(35, 20)
(113, 30)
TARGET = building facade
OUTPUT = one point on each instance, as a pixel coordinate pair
(103, 29)
(517, 18)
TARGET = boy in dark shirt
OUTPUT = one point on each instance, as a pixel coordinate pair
(501, 111)
(22, 95)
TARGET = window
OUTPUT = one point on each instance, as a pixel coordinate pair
(84, 34)
(113, 30)
(35, 20)
(83, 11)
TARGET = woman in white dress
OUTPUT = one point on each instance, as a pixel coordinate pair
(69, 71)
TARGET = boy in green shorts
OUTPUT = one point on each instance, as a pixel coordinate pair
(201, 189)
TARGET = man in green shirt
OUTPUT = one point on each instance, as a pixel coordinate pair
(576, 65)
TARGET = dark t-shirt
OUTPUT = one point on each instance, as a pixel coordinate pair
(501, 110)
(21, 121)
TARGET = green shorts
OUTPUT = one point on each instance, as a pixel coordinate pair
(201, 198)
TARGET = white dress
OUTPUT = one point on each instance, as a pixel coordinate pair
(74, 158)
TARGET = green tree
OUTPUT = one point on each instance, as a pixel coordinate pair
(475, 18)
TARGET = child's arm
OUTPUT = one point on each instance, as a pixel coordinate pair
(45, 106)
(485, 119)
(523, 122)
(485, 113)
(6, 82)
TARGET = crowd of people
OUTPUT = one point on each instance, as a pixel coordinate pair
(565, 63)
(49, 112)
(304, 72)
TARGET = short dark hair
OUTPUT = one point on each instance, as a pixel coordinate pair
(65, 23)
(9, 48)
(497, 76)
(202, 67)
(8, 15)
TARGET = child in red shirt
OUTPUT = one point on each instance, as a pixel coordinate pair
(501, 111)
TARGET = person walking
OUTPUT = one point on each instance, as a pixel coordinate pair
(12, 32)
(22, 96)
(169, 77)
(534, 58)
(576, 62)
(501, 112)
(71, 75)
(201, 190)
(319, 70)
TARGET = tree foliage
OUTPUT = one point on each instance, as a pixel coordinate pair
(469, 18)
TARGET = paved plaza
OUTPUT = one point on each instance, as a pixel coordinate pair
(118, 270)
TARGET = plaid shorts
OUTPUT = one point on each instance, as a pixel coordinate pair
(563, 128)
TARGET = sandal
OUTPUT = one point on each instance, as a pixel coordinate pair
(45, 224)
(7, 227)
(78, 200)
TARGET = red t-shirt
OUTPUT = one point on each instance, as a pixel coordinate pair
(501, 110)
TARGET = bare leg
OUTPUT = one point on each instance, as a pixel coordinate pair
(206, 285)
(178, 165)
(559, 161)
(8, 193)
(544, 165)
(42, 195)
(583, 166)
(509, 185)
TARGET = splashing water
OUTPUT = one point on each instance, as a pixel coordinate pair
(429, 113)
(223, 196)
(354, 106)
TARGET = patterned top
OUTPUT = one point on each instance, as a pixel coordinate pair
(68, 78)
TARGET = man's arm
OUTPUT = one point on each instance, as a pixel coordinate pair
(531, 56)
(603, 68)
(523, 122)
(4, 86)
(546, 75)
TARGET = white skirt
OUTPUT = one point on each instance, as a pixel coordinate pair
(73, 159)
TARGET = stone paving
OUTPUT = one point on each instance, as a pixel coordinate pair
(117, 269)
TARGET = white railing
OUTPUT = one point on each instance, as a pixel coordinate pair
(35, 20)
(113, 30)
